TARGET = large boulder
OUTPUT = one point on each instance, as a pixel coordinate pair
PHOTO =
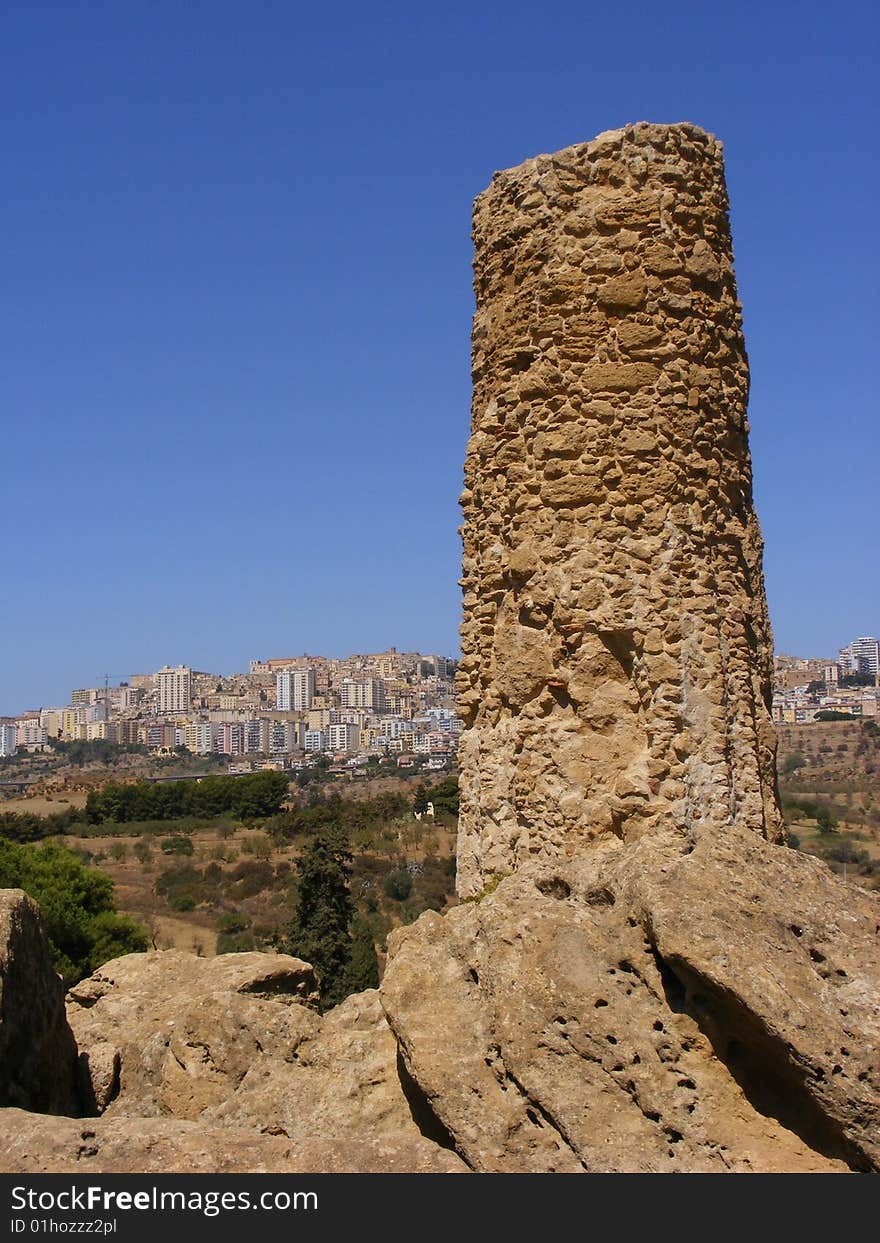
(37, 1050)
(167, 1032)
(649, 1008)
(235, 1042)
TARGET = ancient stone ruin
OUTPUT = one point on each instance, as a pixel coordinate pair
(616, 651)
(640, 976)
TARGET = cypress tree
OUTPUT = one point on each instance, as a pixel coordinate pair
(320, 931)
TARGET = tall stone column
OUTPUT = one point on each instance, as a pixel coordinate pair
(616, 651)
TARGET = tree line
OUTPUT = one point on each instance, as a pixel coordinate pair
(252, 796)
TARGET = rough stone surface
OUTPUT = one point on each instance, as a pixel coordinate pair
(650, 1007)
(167, 1032)
(35, 1144)
(616, 653)
(231, 1041)
(37, 1051)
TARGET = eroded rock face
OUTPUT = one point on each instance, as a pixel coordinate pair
(37, 1051)
(616, 653)
(640, 1008)
(234, 1042)
(34, 1144)
(167, 1032)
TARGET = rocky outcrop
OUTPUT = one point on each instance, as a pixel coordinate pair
(167, 1032)
(652, 1007)
(37, 1051)
(616, 652)
(235, 1042)
(35, 1144)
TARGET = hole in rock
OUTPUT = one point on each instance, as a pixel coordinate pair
(600, 897)
(554, 887)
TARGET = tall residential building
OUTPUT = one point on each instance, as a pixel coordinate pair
(284, 690)
(861, 656)
(230, 738)
(175, 689)
(198, 737)
(343, 737)
(256, 737)
(8, 740)
(294, 690)
(369, 693)
(303, 689)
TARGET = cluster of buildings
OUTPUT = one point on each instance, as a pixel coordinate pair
(850, 685)
(388, 704)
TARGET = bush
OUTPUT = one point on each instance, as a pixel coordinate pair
(233, 921)
(248, 879)
(82, 926)
(235, 942)
(177, 845)
(181, 901)
(398, 885)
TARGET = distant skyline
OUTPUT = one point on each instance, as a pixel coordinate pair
(237, 299)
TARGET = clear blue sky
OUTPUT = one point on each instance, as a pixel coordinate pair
(236, 306)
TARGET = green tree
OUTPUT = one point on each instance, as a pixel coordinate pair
(420, 801)
(363, 965)
(82, 926)
(319, 932)
(398, 885)
(826, 819)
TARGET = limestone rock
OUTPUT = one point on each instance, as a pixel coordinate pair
(37, 1051)
(232, 1042)
(343, 1083)
(649, 1007)
(35, 1144)
(167, 1032)
(609, 453)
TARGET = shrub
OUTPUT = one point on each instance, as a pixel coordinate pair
(398, 885)
(82, 925)
(181, 901)
(177, 845)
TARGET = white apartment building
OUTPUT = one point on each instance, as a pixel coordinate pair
(175, 689)
(368, 693)
(294, 690)
(30, 733)
(343, 737)
(8, 740)
(861, 656)
(286, 737)
(315, 740)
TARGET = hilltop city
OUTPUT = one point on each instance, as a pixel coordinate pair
(282, 713)
(285, 712)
